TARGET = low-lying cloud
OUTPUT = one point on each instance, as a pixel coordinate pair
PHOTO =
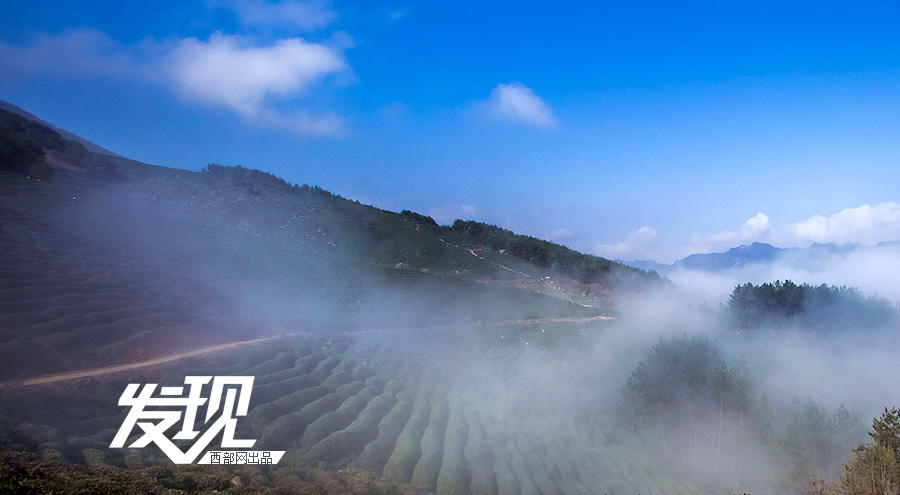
(871, 269)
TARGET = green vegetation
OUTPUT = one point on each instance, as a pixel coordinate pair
(479, 455)
(426, 472)
(303, 246)
(356, 292)
(419, 218)
(585, 268)
(871, 468)
(453, 477)
(820, 308)
(336, 420)
(350, 441)
(692, 405)
(813, 441)
(376, 454)
(680, 373)
(408, 449)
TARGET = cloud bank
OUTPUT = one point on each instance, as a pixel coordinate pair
(870, 269)
(866, 225)
(863, 224)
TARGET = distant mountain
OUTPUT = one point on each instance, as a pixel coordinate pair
(96, 148)
(733, 258)
(647, 265)
(812, 257)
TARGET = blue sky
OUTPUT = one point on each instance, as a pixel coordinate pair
(633, 130)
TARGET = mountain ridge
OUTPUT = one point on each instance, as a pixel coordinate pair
(754, 254)
(140, 257)
(586, 269)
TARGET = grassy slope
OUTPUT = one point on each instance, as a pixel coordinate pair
(105, 258)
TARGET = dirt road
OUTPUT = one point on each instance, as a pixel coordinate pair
(72, 375)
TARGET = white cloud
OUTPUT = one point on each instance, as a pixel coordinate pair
(308, 15)
(755, 229)
(517, 102)
(864, 224)
(637, 245)
(230, 71)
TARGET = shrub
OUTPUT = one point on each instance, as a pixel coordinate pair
(309, 362)
(479, 456)
(349, 389)
(453, 478)
(351, 440)
(427, 469)
(333, 421)
(323, 369)
(402, 462)
(284, 431)
(376, 454)
(290, 403)
(274, 391)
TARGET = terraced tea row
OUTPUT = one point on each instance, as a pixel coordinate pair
(333, 405)
(66, 303)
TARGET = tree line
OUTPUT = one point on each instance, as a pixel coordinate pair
(822, 307)
(697, 409)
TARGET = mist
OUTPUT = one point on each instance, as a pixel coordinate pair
(580, 375)
(868, 268)
(448, 380)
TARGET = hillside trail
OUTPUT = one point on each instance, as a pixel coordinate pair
(473, 253)
(106, 370)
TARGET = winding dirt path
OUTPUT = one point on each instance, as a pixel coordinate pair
(72, 375)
